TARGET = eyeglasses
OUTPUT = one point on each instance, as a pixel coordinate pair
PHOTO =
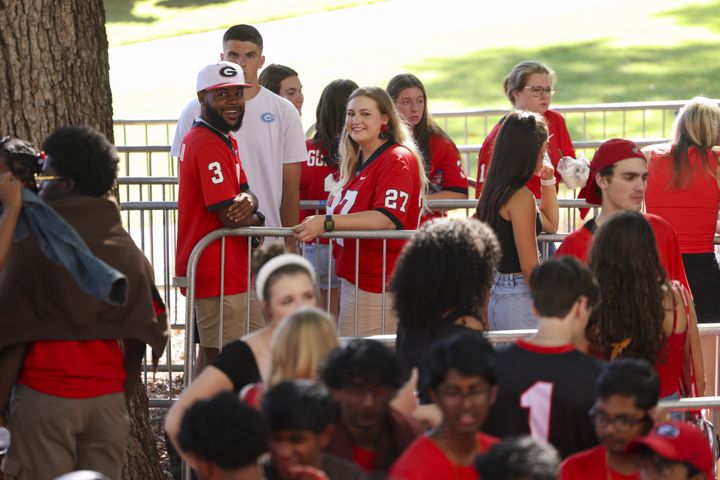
(621, 423)
(45, 178)
(538, 91)
(457, 397)
(357, 394)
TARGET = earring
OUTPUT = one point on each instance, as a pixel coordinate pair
(384, 127)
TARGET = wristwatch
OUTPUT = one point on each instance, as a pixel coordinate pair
(329, 223)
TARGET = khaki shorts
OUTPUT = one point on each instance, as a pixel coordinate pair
(234, 322)
(370, 312)
(52, 436)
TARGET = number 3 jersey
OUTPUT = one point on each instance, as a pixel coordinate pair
(546, 392)
(388, 182)
(210, 176)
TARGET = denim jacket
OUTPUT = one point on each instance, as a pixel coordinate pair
(61, 244)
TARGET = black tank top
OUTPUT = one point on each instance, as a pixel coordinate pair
(510, 261)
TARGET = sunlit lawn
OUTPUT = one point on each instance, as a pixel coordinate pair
(130, 21)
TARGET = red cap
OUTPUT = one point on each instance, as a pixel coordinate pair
(679, 442)
(609, 153)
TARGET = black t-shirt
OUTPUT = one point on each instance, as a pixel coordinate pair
(551, 387)
(238, 362)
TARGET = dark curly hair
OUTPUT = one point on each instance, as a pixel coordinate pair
(83, 154)
(625, 262)
(363, 361)
(224, 431)
(447, 265)
(263, 255)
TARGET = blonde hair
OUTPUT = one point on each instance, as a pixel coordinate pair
(397, 131)
(697, 125)
(299, 344)
(519, 75)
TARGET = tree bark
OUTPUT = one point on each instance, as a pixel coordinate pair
(54, 72)
(54, 67)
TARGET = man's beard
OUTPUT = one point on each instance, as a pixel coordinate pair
(214, 118)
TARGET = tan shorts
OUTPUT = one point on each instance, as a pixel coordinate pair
(52, 436)
(234, 324)
(370, 312)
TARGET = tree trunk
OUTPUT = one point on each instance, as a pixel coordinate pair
(54, 71)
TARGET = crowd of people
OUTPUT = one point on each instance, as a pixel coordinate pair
(277, 393)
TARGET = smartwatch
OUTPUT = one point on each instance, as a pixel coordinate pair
(329, 223)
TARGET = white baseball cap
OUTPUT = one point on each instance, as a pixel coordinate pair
(219, 75)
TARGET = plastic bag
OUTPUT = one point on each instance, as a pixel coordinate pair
(574, 171)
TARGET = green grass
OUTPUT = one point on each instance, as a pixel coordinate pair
(131, 21)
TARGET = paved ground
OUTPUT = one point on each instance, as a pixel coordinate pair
(371, 43)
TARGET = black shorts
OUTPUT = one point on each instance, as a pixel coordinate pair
(703, 275)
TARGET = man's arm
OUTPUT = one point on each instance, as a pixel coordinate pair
(241, 213)
(290, 206)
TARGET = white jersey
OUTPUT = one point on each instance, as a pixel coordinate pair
(271, 136)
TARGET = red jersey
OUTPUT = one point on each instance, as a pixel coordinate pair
(559, 145)
(692, 211)
(446, 171)
(74, 369)
(389, 182)
(424, 460)
(317, 179)
(210, 176)
(577, 244)
(591, 465)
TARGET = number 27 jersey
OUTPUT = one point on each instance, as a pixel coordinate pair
(388, 182)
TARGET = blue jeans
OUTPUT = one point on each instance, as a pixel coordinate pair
(510, 301)
(318, 254)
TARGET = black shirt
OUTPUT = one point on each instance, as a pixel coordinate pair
(554, 387)
(238, 362)
(510, 261)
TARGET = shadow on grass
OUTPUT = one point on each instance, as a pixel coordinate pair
(697, 15)
(588, 72)
(189, 3)
(117, 11)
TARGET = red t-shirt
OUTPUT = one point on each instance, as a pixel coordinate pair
(446, 171)
(692, 211)
(364, 458)
(591, 465)
(424, 460)
(577, 244)
(317, 179)
(210, 176)
(74, 369)
(389, 182)
(559, 145)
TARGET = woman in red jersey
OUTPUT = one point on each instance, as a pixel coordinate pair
(446, 178)
(382, 187)
(530, 86)
(684, 188)
(318, 177)
(641, 314)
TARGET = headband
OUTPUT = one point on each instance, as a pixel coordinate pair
(276, 263)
